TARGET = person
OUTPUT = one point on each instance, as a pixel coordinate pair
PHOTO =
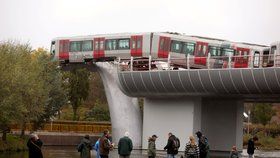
(84, 147)
(251, 146)
(234, 153)
(96, 148)
(34, 145)
(105, 145)
(191, 149)
(172, 146)
(202, 145)
(152, 146)
(125, 146)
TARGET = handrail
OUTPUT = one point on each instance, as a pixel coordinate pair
(206, 62)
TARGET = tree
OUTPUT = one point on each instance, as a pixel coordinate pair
(52, 78)
(78, 88)
(262, 113)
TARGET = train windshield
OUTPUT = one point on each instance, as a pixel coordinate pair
(53, 48)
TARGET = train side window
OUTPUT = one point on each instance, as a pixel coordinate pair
(75, 46)
(161, 44)
(176, 46)
(227, 52)
(87, 46)
(111, 44)
(139, 42)
(273, 49)
(96, 45)
(188, 48)
(101, 45)
(215, 51)
(123, 44)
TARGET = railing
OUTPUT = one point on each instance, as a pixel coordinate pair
(69, 126)
(191, 62)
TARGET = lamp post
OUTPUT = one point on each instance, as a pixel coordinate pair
(248, 129)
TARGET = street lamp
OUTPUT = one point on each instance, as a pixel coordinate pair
(248, 117)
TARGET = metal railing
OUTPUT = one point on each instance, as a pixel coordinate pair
(191, 62)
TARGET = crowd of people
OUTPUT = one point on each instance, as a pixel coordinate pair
(104, 145)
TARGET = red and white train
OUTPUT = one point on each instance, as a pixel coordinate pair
(200, 51)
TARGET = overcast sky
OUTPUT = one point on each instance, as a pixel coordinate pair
(38, 21)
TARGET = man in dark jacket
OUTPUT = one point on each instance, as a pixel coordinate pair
(34, 145)
(125, 146)
(85, 147)
(105, 145)
(203, 145)
(172, 149)
(251, 146)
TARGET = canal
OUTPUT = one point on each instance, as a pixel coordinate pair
(71, 152)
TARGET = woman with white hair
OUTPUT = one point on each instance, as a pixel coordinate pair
(34, 145)
(125, 146)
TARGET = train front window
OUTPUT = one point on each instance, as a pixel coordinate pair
(123, 44)
(53, 48)
(176, 46)
(188, 48)
(75, 46)
(87, 46)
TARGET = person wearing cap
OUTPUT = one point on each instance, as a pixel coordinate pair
(34, 145)
(125, 146)
(152, 146)
(85, 147)
(203, 145)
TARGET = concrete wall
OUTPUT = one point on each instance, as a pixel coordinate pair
(221, 123)
(175, 115)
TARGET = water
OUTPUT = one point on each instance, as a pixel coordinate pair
(71, 152)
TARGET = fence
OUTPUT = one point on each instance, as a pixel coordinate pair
(69, 126)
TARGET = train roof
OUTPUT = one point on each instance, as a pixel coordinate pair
(175, 35)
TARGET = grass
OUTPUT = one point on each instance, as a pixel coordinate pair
(13, 143)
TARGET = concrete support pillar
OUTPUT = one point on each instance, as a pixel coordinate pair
(221, 123)
(219, 120)
(124, 111)
(180, 116)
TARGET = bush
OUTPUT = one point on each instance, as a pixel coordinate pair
(98, 113)
(14, 143)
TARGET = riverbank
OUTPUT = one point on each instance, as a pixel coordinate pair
(13, 143)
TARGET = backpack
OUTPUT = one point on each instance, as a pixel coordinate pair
(80, 147)
(176, 144)
(204, 146)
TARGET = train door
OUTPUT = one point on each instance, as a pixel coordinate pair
(164, 47)
(136, 45)
(64, 50)
(241, 57)
(201, 53)
(99, 45)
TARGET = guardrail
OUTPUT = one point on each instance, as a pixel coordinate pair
(191, 62)
(69, 126)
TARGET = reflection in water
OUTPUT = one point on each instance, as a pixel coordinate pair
(71, 152)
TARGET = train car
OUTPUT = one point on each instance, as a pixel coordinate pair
(183, 51)
(100, 47)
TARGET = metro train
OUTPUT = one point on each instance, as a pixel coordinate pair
(200, 51)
